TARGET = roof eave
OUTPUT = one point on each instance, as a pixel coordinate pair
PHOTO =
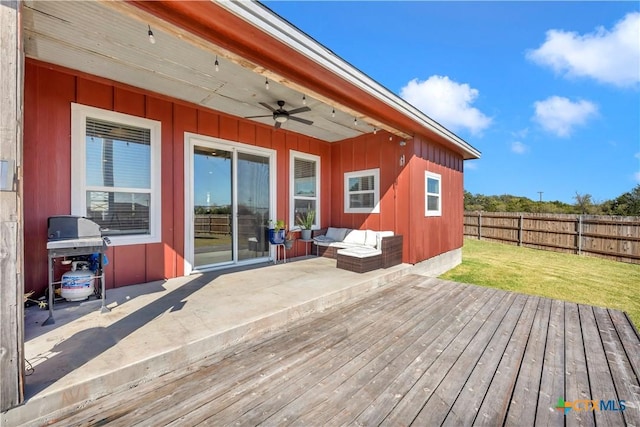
(282, 48)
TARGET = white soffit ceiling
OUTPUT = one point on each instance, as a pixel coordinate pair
(109, 39)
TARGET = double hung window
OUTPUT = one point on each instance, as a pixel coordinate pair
(362, 191)
(115, 176)
(433, 194)
(305, 187)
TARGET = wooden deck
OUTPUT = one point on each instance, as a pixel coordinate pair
(422, 352)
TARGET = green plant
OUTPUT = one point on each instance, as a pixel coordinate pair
(305, 220)
(277, 225)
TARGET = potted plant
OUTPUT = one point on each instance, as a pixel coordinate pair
(288, 240)
(276, 232)
(305, 221)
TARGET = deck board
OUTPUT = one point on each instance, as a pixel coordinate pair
(377, 409)
(477, 331)
(494, 409)
(421, 352)
(600, 379)
(624, 378)
(524, 398)
(553, 378)
(315, 389)
(577, 378)
(474, 374)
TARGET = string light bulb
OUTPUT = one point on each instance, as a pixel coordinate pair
(152, 39)
(375, 130)
(217, 64)
(304, 100)
(266, 83)
(333, 112)
(355, 121)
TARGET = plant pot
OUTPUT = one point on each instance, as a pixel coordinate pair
(276, 238)
(288, 244)
(305, 234)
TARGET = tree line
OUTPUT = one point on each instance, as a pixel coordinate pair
(627, 204)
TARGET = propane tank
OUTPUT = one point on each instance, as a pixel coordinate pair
(77, 284)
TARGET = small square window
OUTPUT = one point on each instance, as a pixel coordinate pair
(362, 191)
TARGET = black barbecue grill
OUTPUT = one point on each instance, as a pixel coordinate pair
(72, 236)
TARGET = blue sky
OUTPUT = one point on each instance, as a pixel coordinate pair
(549, 92)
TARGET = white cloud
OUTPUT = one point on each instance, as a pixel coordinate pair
(519, 148)
(447, 102)
(637, 155)
(560, 115)
(607, 56)
(636, 176)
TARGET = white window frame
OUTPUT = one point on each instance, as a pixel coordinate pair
(293, 155)
(79, 114)
(431, 175)
(376, 191)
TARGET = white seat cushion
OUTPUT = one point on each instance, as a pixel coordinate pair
(357, 237)
(360, 252)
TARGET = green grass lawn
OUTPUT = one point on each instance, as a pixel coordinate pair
(568, 277)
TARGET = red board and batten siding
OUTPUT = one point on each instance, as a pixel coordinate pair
(432, 236)
(402, 192)
(49, 92)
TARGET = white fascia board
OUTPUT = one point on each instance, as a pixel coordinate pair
(263, 18)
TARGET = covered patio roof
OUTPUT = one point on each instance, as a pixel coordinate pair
(251, 44)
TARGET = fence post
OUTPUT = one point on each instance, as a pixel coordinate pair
(479, 225)
(579, 234)
(520, 221)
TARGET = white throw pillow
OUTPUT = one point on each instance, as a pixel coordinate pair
(356, 237)
(372, 238)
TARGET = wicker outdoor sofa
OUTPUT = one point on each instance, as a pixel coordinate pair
(359, 250)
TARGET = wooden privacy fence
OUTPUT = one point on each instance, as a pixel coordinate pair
(612, 237)
(212, 224)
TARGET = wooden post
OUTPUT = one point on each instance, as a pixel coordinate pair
(520, 221)
(480, 225)
(579, 245)
(11, 222)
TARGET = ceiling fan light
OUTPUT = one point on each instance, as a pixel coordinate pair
(281, 118)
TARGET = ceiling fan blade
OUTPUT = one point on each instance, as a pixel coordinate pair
(299, 110)
(256, 117)
(298, 119)
(267, 106)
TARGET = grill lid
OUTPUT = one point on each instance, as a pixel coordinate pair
(66, 227)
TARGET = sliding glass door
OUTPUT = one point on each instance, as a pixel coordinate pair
(230, 199)
(253, 198)
(213, 207)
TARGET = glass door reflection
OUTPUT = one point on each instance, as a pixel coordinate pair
(253, 206)
(213, 206)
